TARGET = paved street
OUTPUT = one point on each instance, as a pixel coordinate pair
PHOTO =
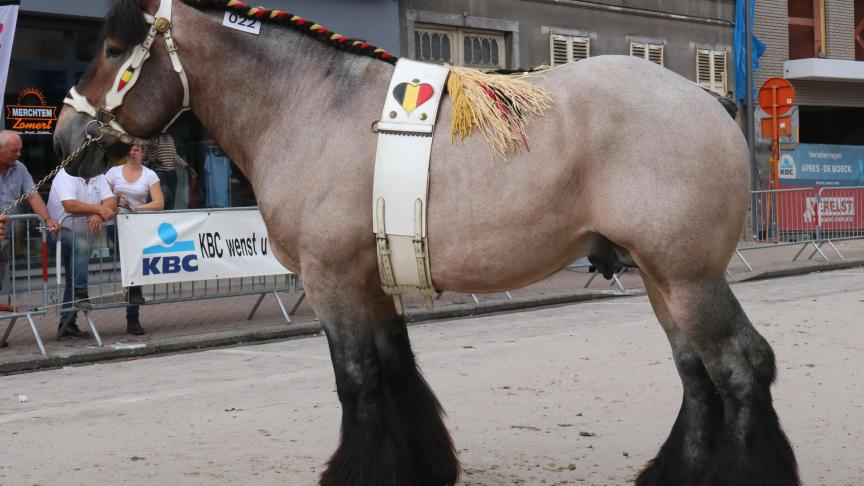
(580, 394)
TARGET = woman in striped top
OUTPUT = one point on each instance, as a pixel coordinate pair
(163, 159)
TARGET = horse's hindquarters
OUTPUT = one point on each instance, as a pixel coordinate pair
(661, 172)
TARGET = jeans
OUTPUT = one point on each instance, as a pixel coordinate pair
(75, 255)
(5, 258)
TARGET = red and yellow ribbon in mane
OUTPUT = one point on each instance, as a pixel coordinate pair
(300, 24)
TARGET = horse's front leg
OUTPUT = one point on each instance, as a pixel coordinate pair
(392, 427)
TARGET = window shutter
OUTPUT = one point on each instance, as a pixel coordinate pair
(720, 71)
(651, 52)
(581, 47)
(566, 48)
(711, 70)
(560, 51)
(655, 54)
(704, 75)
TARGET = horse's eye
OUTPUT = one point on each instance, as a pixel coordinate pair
(113, 52)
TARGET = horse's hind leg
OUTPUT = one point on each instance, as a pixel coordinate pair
(686, 454)
(751, 448)
(392, 429)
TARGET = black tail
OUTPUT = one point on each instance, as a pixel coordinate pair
(729, 104)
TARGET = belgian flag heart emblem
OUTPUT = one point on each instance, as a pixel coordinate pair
(411, 95)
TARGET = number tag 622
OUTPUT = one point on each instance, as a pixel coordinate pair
(238, 22)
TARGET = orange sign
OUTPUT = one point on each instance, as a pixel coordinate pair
(785, 96)
(784, 127)
(32, 115)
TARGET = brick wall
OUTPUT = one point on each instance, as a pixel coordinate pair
(840, 29)
(771, 25)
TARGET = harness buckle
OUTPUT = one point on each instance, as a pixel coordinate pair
(104, 116)
(170, 46)
(162, 25)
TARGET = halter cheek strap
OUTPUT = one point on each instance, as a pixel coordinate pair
(128, 75)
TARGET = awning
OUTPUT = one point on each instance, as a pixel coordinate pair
(815, 69)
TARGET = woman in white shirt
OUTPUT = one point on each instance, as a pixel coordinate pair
(137, 189)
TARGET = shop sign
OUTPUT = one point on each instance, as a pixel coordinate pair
(32, 115)
(812, 165)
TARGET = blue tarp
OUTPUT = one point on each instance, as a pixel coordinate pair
(740, 38)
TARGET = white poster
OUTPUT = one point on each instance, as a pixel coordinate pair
(8, 20)
(181, 247)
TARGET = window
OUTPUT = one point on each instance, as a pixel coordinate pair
(567, 48)
(41, 44)
(806, 28)
(859, 30)
(460, 47)
(711, 70)
(651, 52)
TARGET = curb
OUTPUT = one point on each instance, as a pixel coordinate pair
(71, 357)
(455, 311)
(796, 270)
(59, 359)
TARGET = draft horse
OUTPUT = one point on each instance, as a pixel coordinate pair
(633, 163)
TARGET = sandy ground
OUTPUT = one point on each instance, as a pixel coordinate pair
(582, 394)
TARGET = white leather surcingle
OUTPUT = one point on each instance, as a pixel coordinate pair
(401, 183)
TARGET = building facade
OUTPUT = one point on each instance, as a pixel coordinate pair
(819, 47)
(690, 37)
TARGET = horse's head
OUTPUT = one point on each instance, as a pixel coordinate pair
(134, 87)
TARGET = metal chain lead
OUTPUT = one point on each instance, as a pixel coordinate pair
(51, 174)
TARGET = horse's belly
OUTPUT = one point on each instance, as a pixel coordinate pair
(503, 260)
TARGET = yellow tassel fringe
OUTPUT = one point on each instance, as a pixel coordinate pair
(502, 118)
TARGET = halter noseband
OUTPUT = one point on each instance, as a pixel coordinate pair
(127, 76)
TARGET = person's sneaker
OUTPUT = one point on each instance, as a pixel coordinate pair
(82, 301)
(133, 326)
(72, 332)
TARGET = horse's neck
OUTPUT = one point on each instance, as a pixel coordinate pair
(244, 86)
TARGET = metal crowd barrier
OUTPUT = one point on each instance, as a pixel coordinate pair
(808, 217)
(840, 215)
(25, 286)
(106, 291)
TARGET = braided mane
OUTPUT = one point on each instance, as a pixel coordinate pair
(299, 24)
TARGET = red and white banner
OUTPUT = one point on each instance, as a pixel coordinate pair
(838, 208)
(8, 20)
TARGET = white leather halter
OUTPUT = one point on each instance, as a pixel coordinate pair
(128, 75)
